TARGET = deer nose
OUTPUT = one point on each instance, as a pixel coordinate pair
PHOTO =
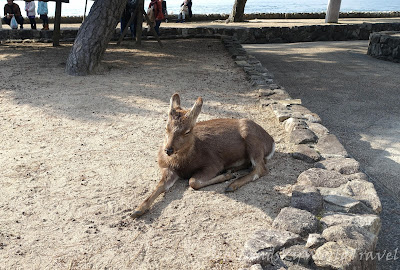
(169, 151)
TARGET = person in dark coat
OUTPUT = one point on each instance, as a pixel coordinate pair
(12, 10)
(126, 16)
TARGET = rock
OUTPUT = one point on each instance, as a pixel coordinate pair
(333, 255)
(372, 223)
(315, 240)
(321, 178)
(293, 124)
(342, 165)
(281, 112)
(242, 63)
(300, 109)
(265, 92)
(318, 129)
(359, 190)
(287, 102)
(353, 236)
(357, 176)
(313, 118)
(296, 221)
(298, 254)
(366, 193)
(301, 136)
(256, 267)
(329, 146)
(342, 190)
(282, 115)
(298, 267)
(262, 245)
(265, 103)
(338, 203)
(307, 198)
(306, 153)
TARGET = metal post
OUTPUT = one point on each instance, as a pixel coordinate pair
(139, 22)
(84, 15)
(57, 23)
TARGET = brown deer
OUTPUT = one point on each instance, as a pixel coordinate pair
(208, 152)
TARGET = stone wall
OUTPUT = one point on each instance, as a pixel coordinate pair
(385, 45)
(334, 32)
(252, 16)
(262, 35)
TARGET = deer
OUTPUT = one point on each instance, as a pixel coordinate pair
(208, 152)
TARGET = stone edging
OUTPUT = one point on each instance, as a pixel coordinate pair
(275, 34)
(385, 45)
(333, 221)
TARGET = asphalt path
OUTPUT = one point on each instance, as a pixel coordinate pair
(358, 99)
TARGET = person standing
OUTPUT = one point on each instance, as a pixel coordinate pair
(156, 5)
(12, 10)
(130, 9)
(30, 12)
(43, 11)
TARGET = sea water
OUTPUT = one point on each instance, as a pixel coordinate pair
(77, 7)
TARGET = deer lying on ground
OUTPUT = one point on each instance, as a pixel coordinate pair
(208, 152)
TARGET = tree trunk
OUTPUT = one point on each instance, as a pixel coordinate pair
(237, 11)
(332, 13)
(93, 37)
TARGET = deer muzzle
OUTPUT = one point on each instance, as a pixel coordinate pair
(169, 151)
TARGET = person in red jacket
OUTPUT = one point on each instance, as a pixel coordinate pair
(156, 5)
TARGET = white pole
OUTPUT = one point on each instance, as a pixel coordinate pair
(332, 14)
(84, 15)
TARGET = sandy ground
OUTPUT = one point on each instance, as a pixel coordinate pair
(78, 154)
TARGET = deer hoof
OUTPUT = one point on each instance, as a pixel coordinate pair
(230, 189)
(137, 214)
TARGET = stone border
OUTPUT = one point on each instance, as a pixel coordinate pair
(252, 16)
(385, 45)
(331, 32)
(333, 221)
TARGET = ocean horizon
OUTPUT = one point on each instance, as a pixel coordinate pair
(77, 7)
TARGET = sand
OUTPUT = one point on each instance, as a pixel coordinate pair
(78, 154)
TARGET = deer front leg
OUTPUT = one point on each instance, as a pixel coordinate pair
(167, 181)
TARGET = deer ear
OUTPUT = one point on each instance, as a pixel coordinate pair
(195, 111)
(175, 102)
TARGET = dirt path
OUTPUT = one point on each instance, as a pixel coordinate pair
(77, 153)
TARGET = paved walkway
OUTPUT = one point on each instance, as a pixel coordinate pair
(358, 99)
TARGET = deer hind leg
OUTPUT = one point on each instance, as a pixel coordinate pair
(208, 177)
(259, 169)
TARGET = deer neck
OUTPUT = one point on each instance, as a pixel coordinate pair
(183, 157)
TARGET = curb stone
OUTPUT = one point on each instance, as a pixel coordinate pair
(334, 238)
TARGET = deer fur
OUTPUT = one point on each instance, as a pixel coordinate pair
(208, 152)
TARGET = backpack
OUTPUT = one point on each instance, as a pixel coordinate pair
(150, 14)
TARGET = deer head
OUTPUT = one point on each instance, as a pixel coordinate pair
(179, 135)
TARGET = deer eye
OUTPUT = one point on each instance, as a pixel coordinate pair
(187, 132)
